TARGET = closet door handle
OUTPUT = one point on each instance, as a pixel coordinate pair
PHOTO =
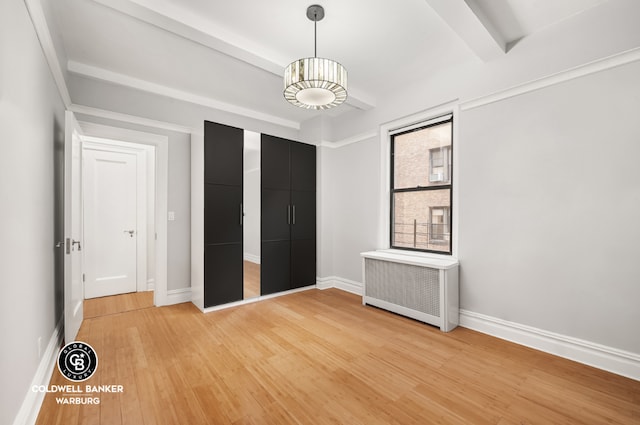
(241, 214)
(288, 214)
(294, 214)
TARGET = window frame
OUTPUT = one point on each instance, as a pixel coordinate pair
(448, 161)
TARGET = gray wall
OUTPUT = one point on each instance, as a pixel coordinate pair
(178, 200)
(550, 208)
(31, 141)
(349, 207)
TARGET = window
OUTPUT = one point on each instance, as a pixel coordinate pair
(421, 187)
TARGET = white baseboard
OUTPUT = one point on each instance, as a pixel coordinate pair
(178, 296)
(151, 284)
(340, 283)
(600, 356)
(256, 299)
(30, 408)
(252, 258)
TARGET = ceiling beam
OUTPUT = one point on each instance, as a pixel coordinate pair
(101, 74)
(173, 19)
(470, 23)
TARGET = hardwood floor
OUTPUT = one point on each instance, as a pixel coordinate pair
(320, 357)
(103, 306)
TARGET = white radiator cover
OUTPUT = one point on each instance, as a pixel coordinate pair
(422, 288)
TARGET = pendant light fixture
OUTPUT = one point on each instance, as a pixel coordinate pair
(315, 83)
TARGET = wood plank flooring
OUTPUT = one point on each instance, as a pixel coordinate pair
(320, 357)
(104, 306)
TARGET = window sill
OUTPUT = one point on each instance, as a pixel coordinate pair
(415, 258)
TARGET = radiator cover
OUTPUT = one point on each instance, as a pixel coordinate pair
(423, 289)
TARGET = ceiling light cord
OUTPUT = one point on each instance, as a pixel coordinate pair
(315, 34)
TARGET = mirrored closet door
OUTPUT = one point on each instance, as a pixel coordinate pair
(251, 225)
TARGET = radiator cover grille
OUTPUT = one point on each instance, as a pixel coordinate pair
(414, 287)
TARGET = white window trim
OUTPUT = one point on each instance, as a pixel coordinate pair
(386, 130)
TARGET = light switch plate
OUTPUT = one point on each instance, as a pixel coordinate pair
(172, 215)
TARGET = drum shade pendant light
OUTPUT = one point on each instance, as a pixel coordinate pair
(315, 83)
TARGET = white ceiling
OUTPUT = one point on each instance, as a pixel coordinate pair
(515, 19)
(233, 52)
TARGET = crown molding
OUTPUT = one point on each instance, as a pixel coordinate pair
(609, 62)
(34, 8)
(349, 140)
(132, 119)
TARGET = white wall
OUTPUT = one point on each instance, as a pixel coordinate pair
(349, 207)
(549, 202)
(550, 208)
(324, 212)
(31, 143)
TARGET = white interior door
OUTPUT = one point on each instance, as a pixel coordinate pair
(73, 290)
(110, 225)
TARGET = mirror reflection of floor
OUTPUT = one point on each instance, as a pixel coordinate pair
(251, 280)
(104, 306)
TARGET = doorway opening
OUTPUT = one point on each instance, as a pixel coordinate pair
(119, 215)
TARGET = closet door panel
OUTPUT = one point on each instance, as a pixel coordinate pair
(303, 222)
(275, 267)
(222, 214)
(275, 163)
(303, 263)
(222, 273)
(303, 167)
(223, 148)
(276, 213)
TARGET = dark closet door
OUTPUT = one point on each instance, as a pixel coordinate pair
(303, 167)
(303, 221)
(223, 158)
(222, 272)
(275, 163)
(303, 263)
(288, 215)
(222, 214)
(275, 267)
(275, 205)
(223, 149)
(303, 224)
(275, 215)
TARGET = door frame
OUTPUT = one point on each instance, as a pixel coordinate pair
(161, 143)
(145, 185)
(73, 287)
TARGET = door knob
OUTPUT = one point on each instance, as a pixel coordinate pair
(130, 232)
